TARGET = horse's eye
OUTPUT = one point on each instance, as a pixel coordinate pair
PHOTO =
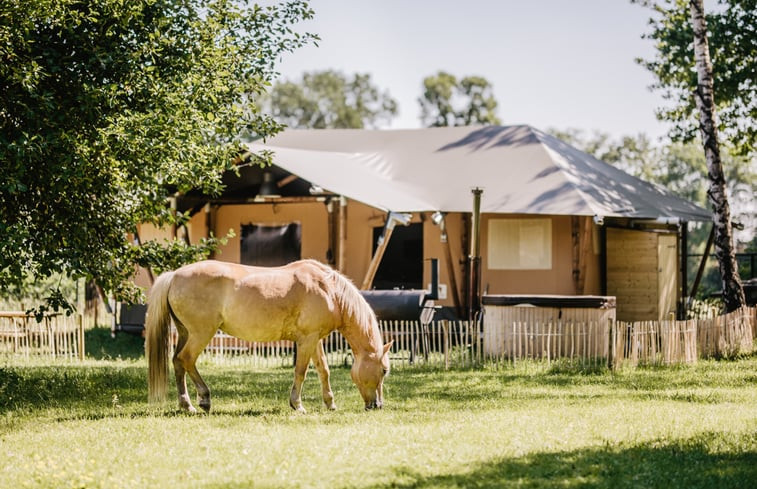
(385, 371)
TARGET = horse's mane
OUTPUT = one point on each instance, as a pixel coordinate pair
(353, 306)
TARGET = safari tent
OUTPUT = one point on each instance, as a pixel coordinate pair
(379, 204)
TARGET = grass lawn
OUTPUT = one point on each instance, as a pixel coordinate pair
(88, 425)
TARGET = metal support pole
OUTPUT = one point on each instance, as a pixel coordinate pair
(683, 303)
(474, 290)
(342, 241)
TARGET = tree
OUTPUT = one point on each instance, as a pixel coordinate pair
(330, 99)
(732, 33)
(449, 102)
(686, 49)
(107, 108)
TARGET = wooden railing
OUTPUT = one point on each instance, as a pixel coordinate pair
(56, 336)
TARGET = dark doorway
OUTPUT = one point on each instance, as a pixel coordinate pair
(402, 264)
(269, 246)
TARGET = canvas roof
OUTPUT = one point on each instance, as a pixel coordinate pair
(520, 169)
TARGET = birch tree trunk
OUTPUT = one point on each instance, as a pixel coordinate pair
(733, 292)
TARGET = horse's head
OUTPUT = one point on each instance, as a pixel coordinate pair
(368, 374)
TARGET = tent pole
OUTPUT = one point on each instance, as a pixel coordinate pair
(342, 245)
(474, 259)
(330, 230)
(683, 303)
(450, 266)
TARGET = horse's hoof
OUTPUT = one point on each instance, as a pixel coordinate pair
(205, 406)
(298, 407)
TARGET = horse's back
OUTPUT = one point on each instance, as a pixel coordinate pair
(255, 303)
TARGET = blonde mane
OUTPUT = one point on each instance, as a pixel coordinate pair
(354, 308)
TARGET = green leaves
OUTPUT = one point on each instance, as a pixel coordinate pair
(733, 48)
(109, 107)
(330, 99)
(447, 101)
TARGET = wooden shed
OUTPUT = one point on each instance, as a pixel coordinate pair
(642, 268)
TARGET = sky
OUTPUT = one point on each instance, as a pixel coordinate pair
(552, 63)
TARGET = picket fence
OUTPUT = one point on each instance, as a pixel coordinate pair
(676, 342)
(56, 336)
(462, 344)
(448, 344)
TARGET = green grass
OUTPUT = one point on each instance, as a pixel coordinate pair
(72, 425)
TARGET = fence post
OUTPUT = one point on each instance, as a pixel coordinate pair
(446, 344)
(80, 330)
(611, 344)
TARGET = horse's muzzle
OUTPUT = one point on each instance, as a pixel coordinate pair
(373, 405)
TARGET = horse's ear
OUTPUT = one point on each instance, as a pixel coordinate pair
(387, 346)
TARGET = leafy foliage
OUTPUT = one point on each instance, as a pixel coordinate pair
(330, 99)
(109, 107)
(449, 102)
(733, 48)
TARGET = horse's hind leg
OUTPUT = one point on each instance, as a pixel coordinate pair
(322, 367)
(179, 371)
(184, 362)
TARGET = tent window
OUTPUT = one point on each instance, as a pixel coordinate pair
(520, 244)
(402, 264)
(270, 245)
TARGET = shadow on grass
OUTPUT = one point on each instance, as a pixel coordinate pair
(93, 391)
(709, 460)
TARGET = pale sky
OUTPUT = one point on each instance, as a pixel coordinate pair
(553, 63)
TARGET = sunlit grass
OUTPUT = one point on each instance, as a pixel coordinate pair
(68, 425)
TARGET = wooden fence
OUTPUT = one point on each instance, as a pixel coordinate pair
(675, 342)
(586, 343)
(442, 343)
(451, 343)
(55, 336)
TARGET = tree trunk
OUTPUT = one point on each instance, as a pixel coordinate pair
(733, 292)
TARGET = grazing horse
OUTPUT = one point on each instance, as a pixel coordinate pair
(303, 302)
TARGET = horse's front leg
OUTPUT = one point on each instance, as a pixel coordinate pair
(322, 366)
(305, 349)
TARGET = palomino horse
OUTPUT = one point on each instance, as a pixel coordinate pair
(302, 302)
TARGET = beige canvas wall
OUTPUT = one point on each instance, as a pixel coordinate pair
(558, 279)
(313, 217)
(361, 221)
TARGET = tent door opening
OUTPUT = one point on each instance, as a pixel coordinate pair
(402, 264)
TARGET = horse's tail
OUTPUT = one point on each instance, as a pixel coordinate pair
(157, 338)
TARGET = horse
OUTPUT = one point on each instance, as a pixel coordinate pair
(302, 301)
